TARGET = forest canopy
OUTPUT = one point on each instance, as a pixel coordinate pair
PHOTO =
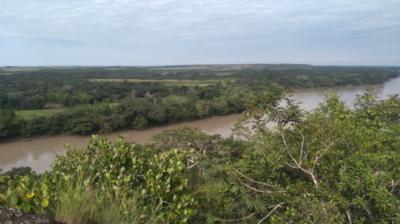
(85, 100)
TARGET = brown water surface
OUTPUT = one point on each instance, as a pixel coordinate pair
(39, 153)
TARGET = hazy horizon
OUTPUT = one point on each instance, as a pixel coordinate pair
(199, 32)
(208, 64)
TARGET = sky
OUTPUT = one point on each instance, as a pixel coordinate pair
(170, 32)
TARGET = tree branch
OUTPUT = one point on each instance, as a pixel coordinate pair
(252, 180)
(270, 213)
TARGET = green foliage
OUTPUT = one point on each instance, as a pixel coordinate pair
(334, 164)
(9, 124)
(26, 191)
(131, 176)
(186, 138)
(124, 170)
(50, 101)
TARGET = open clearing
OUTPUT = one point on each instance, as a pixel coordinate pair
(175, 82)
(29, 114)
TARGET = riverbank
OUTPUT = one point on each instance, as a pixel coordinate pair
(40, 152)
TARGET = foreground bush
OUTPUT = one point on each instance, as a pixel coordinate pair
(127, 180)
(335, 164)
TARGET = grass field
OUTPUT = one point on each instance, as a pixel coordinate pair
(27, 114)
(175, 82)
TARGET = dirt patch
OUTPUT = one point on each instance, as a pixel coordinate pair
(13, 216)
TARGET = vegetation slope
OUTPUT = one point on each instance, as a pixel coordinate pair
(335, 164)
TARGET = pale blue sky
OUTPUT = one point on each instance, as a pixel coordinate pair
(158, 32)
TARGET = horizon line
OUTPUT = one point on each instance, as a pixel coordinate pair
(206, 64)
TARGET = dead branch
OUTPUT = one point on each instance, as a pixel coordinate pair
(252, 180)
(270, 213)
(297, 164)
(348, 214)
(255, 189)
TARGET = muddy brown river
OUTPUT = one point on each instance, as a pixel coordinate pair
(39, 153)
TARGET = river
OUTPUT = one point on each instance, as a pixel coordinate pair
(39, 153)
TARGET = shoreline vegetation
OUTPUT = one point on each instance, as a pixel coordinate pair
(335, 164)
(105, 134)
(86, 100)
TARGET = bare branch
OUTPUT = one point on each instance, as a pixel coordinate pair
(255, 189)
(287, 147)
(348, 214)
(193, 165)
(324, 152)
(252, 180)
(158, 206)
(301, 149)
(270, 213)
(297, 164)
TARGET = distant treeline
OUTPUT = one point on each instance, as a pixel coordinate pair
(66, 100)
(128, 113)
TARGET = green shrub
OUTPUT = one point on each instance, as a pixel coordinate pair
(139, 182)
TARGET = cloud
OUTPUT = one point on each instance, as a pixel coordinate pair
(181, 30)
(42, 40)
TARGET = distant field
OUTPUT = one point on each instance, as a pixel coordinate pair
(27, 114)
(176, 82)
(221, 67)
